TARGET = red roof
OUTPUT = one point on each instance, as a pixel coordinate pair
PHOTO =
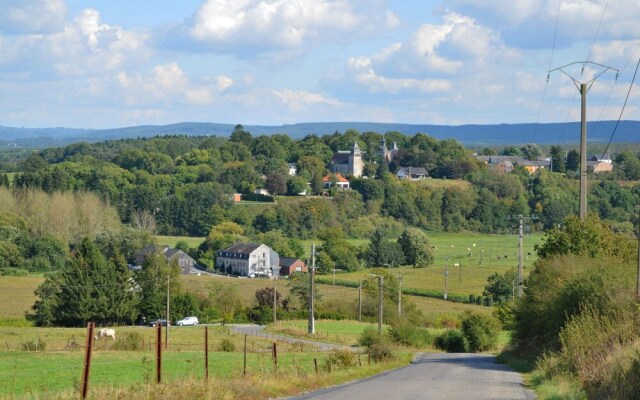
(338, 178)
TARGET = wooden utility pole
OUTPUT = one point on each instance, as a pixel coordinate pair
(275, 300)
(446, 277)
(87, 359)
(400, 296)
(360, 300)
(166, 333)
(206, 352)
(312, 323)
(380, 302)
(159, 352)
(520, 255)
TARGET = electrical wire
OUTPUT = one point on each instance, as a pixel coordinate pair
(604, 10)
(622, 111)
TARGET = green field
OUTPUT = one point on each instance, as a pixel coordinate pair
(171, 241)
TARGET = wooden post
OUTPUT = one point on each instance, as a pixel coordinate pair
(206, 352)
(244, 372)
(87, 359)
(159, 353)
(315, 364)
(275, 354)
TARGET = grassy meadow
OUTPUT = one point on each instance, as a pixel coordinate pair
(57, 368)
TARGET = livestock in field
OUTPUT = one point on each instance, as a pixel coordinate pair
(106, 332)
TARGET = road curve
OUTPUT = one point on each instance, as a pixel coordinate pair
(435, 376)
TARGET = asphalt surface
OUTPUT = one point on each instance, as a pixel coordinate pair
(435, 376)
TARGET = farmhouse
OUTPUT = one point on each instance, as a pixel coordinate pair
(289, 265)
(185, 262)
(413, 173)
(248, 259)
(340, 181)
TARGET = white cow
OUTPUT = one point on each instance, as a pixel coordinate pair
(106, 332)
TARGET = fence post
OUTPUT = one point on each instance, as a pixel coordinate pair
(244, 370)
(159, 353)
(315, 364)
(275, 355)
(206, 352)
(87, 359)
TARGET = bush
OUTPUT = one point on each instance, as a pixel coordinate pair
(340, 359)
(480, 332)
(451, 341)
(378, 346)
(129, 342)
(227, 345)
(408, 334)
(368, 336)
(13, 272)
(35, 345)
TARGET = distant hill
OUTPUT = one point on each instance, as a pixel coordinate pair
(503, 134)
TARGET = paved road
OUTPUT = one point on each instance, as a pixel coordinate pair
(435, 376)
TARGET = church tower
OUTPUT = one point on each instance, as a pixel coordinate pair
(356, 165)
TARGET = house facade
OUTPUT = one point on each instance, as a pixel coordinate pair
(186, 263)
(289, 265)
(348, 162)
(413, 173)
(248, 259)
(340, 181)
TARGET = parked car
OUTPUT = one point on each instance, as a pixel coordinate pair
(188, 321)
(159, 321)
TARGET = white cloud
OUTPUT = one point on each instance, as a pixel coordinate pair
(169, 84)
(32, 16)
(246, 27)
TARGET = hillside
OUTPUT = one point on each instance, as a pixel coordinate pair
(557, 133)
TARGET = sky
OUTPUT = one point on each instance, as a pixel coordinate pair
(109, 64)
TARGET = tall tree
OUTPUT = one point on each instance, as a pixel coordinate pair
(416, 247)
(573, 161)
(557, 159)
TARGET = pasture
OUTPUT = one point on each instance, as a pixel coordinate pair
(58, 368)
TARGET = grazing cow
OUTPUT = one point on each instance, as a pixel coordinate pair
(104, 332)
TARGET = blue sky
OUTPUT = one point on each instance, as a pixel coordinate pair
(104, 64)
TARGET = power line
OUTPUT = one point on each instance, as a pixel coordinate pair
(622, 111)
(595, 38)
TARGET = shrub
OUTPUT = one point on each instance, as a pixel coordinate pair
(451, 341)
(408, 334)
(13, 272)
(340, 359)
(227, 345)
(34, 345)
(368, 336)
(129, 342)
(480, 332)
(378, 346)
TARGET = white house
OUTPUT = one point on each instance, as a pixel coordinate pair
(293, 169)
(413, 173)
(248, 259)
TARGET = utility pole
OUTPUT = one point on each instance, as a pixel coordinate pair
(312, 324)
(446, 276)
(275, 300)
(583, 88)
(380, 298)
(360, 300)
(166, 332)
(520, 254)
(400, 277)
(638, 238)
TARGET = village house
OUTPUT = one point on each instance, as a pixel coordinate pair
(289, 265)
(248, 259)
(186, 263)
(413, 173)
(340, 181)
